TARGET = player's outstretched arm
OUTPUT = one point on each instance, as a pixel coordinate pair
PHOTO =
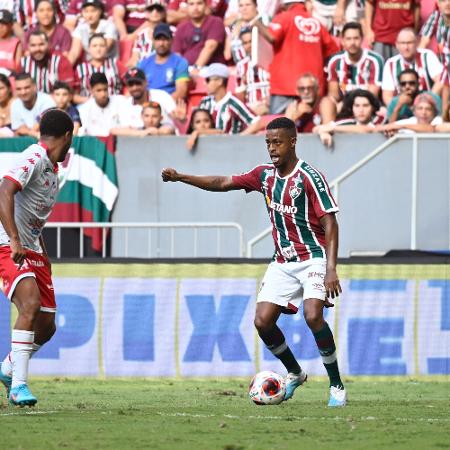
(208, 183)
(332, 285)
(8, 190)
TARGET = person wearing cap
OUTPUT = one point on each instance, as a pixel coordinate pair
(94, 22)
(201, 38)
(230, 114)
(98, 61)
(426, 118)
(73, 12)
(136, 83)
(143, 44)
(45, 65)
(10, 46)
(59, 37)
(164, 69)
(102, 112)
(301, 44)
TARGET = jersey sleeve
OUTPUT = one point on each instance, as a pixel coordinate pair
(250, 181)
(23, 169)
(319, 193)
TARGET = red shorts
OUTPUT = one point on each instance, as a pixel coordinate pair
(36, 266)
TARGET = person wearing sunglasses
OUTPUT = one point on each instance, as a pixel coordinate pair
(304, 112)
(400, 106)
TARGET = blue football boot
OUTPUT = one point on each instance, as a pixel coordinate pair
(293, 381)
(21, 396)
(338, 397)
(6, 381)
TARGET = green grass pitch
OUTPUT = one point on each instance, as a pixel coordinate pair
(217, 414)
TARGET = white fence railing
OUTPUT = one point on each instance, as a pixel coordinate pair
(149, 226)
(335, 184)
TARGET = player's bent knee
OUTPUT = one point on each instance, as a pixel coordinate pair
(262, 323)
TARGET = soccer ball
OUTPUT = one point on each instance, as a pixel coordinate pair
(267, 388)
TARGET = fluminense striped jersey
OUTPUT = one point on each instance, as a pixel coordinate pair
(367, 71)
(295, 204)
(252, 80)
(435, 26)
(143, 45)
(45, 73)
(425, 63)
(230, 114)
(111, 67)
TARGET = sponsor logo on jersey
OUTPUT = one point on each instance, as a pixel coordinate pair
(316, 274)
(317, 178)
(278, 207)
(288, 252)
(309, 29)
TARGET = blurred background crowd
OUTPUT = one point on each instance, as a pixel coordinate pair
(198, 67)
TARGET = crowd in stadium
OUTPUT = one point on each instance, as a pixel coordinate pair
(140, 67)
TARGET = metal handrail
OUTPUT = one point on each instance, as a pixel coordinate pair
(335, 183)
(144, 225)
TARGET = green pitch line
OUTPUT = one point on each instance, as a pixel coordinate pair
(202, 414)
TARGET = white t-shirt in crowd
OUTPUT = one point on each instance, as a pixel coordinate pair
(20, 115)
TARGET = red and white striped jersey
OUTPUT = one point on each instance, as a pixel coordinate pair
(435, 26)
(425, 63)
(56, 68)
(252, 80)
(143, 45)
(113, 70)
(295, 204)
(367, 71)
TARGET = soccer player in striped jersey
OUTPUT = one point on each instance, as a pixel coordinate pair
(27, 195)
(305, 232)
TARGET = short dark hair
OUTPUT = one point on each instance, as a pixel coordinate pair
(406, 72)
(38, 33)
(98, 78)
(5, 80)
(23, 76)
(95, 36)
(61, 85)
(55, 122)
(353, 26)
(283, 123)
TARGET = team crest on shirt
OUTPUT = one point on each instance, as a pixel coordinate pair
(297, 188)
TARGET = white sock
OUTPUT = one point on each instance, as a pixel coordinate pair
(7, 365)
(22, 346)
(35, 348)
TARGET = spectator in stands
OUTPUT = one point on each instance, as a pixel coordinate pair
(294, 32)
(384, 20)
(10, 45)
(28, 106)
(423, 61)
(26, 18)
(201, 124)
(305, 111)
(333, 14)
(102, 112)
(6, 100)
(401, 106)
(128, 16)
(94, 22)
(98, 61)
(152, 123)
(143, 45)
(62, 95)
(164, 69)
(177, 10)
(45, 66)
(266, 9)
(59, 37)
(425, 118)
(352, 68)
(359, 114)
(252, 82)
(248, 13)
(140, 95)
(229, 113)
(201, 38)
(73, 12)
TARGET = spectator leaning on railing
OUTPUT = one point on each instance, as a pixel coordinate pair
(62, 95)
(201, 124)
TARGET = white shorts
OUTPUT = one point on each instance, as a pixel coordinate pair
(289, 283)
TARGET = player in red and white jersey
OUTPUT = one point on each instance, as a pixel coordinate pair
(27, 195)
(305, 232)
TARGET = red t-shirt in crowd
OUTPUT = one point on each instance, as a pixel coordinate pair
(390, 16)
(218, 7)
(189, 40)
(134, 11)
(301, 45)
(60, 40)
